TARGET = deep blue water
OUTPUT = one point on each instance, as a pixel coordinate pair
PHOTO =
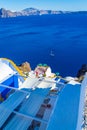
(32, 39)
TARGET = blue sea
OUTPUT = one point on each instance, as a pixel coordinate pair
(33, 39)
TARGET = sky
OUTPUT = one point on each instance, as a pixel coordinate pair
(64, 5)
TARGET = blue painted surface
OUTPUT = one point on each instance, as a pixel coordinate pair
(29, 107)
(62, 80)
(15, 81)
(12, 82)
(65, 115)
(81, 104)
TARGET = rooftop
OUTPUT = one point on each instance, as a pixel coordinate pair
(41, 103)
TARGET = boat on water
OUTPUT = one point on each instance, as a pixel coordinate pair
(40, 103)
(52, 53)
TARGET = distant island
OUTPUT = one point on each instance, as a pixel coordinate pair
(33, 11)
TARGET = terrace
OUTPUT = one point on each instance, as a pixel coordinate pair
(44, 104)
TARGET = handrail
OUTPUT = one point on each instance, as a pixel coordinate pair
(14, 65)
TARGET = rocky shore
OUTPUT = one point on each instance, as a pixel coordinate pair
(4, 13)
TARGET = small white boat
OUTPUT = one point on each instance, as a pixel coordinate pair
(51, 53)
